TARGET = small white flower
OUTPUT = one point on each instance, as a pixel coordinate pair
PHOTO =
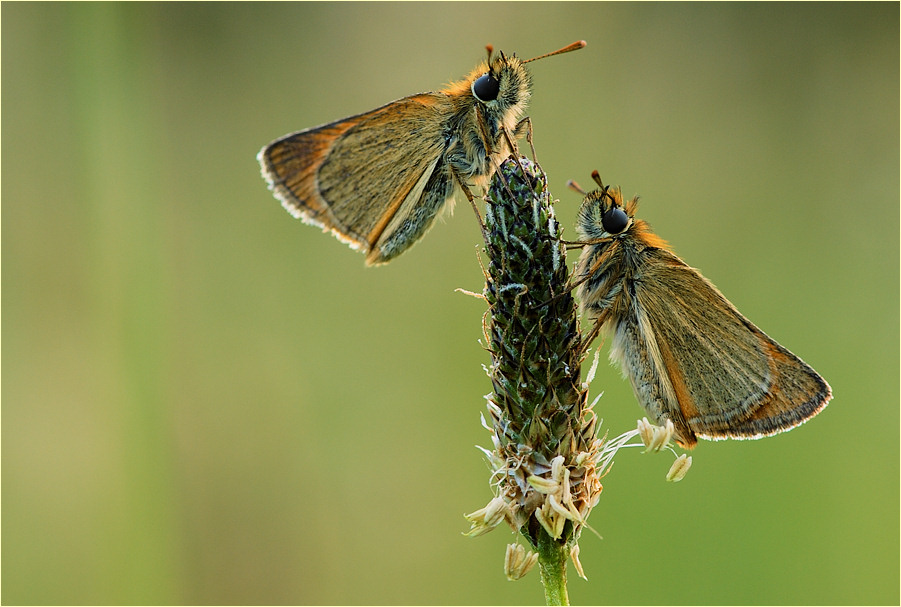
(557, 468)
(518, 561)
(544, 485)
(558, 507)
(646, 432)
(679, 468)
(654, 437)
(574, 555)
(485, 519)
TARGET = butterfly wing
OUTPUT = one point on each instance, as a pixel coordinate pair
(353, 176)
(708, 368)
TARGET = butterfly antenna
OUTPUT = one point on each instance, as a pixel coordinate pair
(572, 185)
(566, 49)
(597, 179)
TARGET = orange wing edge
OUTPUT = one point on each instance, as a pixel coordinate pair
(798, 394)
(290, 165)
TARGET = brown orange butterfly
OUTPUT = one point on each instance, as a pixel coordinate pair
(690, 355)
(378, 180)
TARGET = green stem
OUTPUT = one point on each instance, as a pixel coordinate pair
(552, 557)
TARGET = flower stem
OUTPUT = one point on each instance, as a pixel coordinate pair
(552, 556)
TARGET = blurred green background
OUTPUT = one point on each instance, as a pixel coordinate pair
(205, 401)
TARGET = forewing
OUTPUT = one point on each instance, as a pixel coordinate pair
(352, 176)
(729, 378)
(798, 394)
(714, 361)
(290, 164)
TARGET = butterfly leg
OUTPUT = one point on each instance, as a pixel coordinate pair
(488, 142)
(471, 199)
(595, 330)
(524, 126)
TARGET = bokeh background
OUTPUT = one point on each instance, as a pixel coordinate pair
(205, 401)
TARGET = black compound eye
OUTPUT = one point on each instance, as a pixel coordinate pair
(486, 88)
(615, 220)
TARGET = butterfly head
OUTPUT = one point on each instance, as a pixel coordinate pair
(603, 213)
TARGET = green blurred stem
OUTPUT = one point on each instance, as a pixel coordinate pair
(552, 557)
